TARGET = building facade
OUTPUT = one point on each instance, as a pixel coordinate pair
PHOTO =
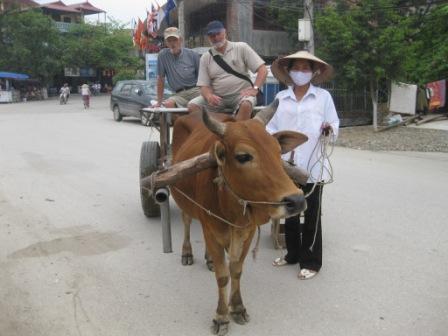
(246, 21)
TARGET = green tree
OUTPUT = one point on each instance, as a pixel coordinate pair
(370, 42)
(29, 43)
(427, 54)
(286, 13)
(101, 46)
(365, 41)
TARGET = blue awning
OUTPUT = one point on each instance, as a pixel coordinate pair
(12, 75)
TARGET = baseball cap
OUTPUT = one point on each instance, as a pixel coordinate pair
(171, 32)
(214, 27)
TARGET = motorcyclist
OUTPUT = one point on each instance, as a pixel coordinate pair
(65, 92)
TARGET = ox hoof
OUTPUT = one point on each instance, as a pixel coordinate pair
(220, 328)
(210, 265)
(241, 317)
(187, 259)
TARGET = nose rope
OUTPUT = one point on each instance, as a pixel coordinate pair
(244, 202)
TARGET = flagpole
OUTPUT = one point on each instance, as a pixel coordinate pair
(180, 19)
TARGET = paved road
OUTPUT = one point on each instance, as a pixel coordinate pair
(78, 257)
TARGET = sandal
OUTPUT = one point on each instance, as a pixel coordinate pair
(279, 262)
(306, 274)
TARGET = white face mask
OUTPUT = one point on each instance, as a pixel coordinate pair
(301, 78)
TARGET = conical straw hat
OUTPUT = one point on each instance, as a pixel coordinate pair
(323, 71)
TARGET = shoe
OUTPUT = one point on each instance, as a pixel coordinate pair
(306, 274)
(279, 262)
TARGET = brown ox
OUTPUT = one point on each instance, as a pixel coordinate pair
(249, 168)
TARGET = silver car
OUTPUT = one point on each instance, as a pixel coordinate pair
(130, 96)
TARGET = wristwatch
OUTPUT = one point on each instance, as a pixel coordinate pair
(256, 88)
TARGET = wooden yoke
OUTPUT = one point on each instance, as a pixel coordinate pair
(194, 165)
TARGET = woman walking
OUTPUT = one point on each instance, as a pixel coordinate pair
(85, 93)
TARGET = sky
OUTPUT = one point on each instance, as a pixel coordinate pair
(121, 10)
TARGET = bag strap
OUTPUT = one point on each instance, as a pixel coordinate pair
(227, 68)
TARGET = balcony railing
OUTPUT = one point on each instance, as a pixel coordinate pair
(64, 27)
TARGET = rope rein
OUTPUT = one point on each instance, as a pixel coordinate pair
(208, 212)
(324, 157)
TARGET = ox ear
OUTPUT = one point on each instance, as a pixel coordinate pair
(220, 152)
(289, 140)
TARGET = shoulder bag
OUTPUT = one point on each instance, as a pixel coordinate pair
(227, 68)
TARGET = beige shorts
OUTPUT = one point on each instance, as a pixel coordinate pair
(182, 98)
(229, 104)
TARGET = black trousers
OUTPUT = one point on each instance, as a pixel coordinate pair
(299, 237)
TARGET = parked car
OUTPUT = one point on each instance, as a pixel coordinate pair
(130, 96)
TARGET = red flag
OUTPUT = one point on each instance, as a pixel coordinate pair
(143, 43)
(138, 32)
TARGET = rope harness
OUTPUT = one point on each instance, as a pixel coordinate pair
(221, 180)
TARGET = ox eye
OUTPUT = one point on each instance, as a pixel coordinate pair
(243, 158)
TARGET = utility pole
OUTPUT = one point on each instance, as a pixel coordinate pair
(308, 15)
(181, 19)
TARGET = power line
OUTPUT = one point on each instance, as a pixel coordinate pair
(300, 7)
(277, 23)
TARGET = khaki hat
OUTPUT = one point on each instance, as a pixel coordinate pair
(323, 71)
(171, 32)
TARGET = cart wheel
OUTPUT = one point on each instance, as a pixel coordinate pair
(146, 118)
(149, 159)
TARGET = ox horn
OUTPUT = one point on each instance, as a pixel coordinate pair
(217, 127)
(267, 113)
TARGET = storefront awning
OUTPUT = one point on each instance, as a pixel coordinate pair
(13, 75)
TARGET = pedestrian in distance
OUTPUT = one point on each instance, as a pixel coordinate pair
(224, 75)
(310, 110)
(85, 93)
(180, 67)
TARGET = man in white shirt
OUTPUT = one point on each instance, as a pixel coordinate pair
(308, 109)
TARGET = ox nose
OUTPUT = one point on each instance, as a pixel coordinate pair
(294, 203)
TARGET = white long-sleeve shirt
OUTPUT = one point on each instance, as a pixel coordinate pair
(306, 116)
